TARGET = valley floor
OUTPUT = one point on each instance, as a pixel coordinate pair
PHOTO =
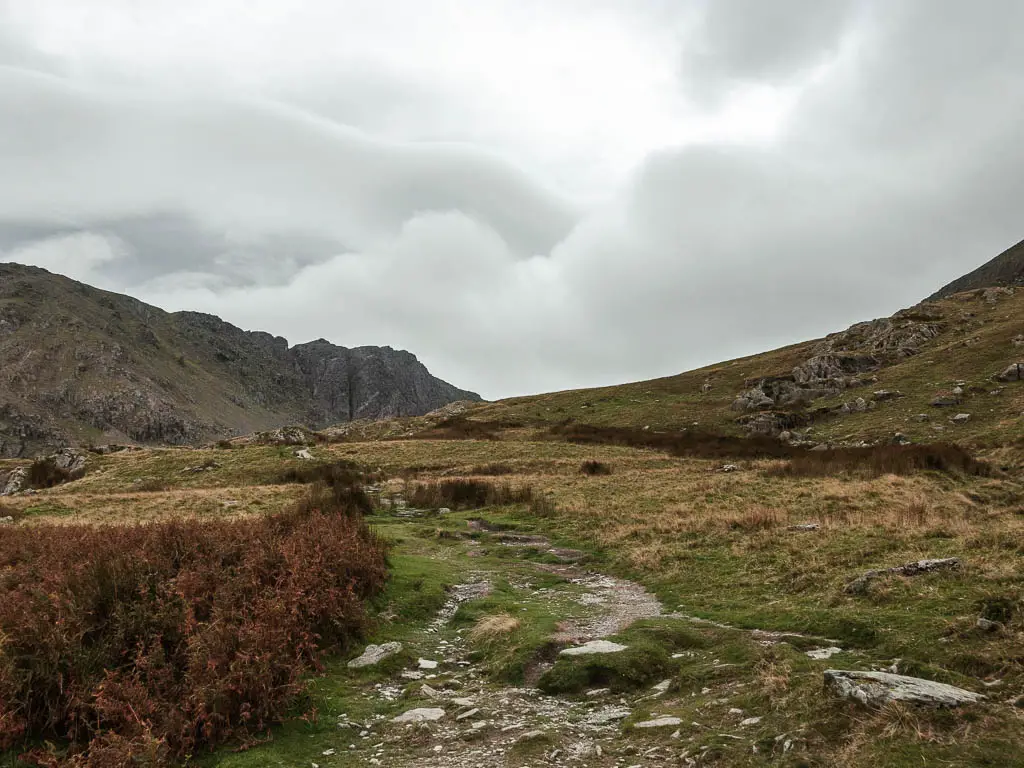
(727, 588)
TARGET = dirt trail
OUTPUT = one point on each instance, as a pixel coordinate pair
(516, 726)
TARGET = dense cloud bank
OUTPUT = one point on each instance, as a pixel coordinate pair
(649, 187)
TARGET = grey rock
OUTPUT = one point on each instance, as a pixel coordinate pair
(304, 454)
(594, 647)
(805, 527)
(1014, 372)
(374, 654)
(860, 584)
(420, 715)
(987, 625)
(961, 418)
(945, 401)
(876, 688)
(660, 722)
(820, 654)
(468, 715)
(17, 481)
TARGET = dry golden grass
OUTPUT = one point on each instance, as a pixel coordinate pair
(490, 628)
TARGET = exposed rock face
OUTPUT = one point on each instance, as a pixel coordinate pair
(81, 365)
(876, 688)
(841, 361)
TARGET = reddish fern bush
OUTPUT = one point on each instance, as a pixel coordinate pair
(144, 644)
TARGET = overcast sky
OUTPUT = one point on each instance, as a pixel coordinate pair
(527, 194)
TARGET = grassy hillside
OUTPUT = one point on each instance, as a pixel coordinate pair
(979, 333)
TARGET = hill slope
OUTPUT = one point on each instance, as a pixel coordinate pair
(908, 374)
(1004, 270)
(79, 364)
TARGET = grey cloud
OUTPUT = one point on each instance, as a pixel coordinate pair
(897, 170)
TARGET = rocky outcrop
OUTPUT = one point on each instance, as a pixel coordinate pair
(845, 360)
(877, 688)
(79, 365)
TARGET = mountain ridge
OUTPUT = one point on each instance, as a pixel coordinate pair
(79, 364)
(1006, 269)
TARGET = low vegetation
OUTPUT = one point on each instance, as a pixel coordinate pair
(879, 460)
(142, 644)
(706, 445)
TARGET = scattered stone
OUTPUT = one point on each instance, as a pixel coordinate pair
(374, 654)
(660, 722)
(6, 520)
(598, 692)
(945, 401)
(805, 527)
(821, 654)
(427, 664)
(662, 687)
(467, 715)
(17, 481)
(922, 417)
(420, 715)
(531, 736)
(608, 715)
(987, 625)
(877, 688)
(444, 511)
(593, 647)
(886, 394)
(961, 418)
(860, 584)
(304, 454)
(462, 702)
(431, 693)
(730, 468)
(750, 721)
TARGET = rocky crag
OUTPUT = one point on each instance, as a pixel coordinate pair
(80, 365)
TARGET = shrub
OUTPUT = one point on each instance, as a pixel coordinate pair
(705, 445)
(494, 469)
(341, 473)
(44, 473)
(882, 460)
(594, 467)
(225, 445)
(143, 644)
(461, 428)
(468, 494)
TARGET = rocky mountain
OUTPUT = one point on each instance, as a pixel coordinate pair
(78, 365)
(1006, 269)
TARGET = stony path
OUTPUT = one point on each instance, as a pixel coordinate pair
(479, 725)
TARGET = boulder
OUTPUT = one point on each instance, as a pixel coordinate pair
(860, 584)
(877, 688)
(70, 460)
(17, 481)
(420, 715)
(593, 647)
(1014, 372)
(304, 454)
(374, 654)
(961, 418)
(945, 401)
